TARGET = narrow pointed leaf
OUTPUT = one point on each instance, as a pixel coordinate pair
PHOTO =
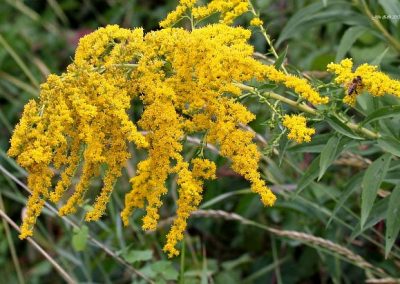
(390, 144)
(393, 220)
(328, 155)
(342, 128)
(281, 58)
(351, 186)
(309, 176)
(382, 113)
(370, 184)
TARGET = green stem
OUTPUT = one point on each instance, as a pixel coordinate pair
(393, 41)
(266, 36)
(305, 108)
(12, 248)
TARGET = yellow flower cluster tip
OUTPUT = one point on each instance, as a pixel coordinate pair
(256, 22)
(299, 85)
(229, 10)
(298, 130)
(372, 80)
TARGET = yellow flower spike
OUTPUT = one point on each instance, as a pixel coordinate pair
(190, 195)
(140, 188)
(229, 10)
(203, 168)
(373, 81)
(178, 13)
(256, 22)
(298, 130)
(299, 85)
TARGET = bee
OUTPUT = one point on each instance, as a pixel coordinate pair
(355, 83)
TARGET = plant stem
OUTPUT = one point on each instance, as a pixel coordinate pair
(266, 36)
(393, 41)
(69, 279)
(305, 108)
(12, 247)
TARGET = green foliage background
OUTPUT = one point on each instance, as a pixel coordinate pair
(39, 37)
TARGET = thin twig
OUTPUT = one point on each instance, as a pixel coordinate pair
(12, 247)
(305, 108)
(304, 237)
(74, 225)
(60, 270)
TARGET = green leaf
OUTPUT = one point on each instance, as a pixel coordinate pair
(370, 184)
(391, 7)
(378, 213)
(342, 128)
(317, 14)
(297, 19)
(393, 220)
(267, 86)
(351, 186)
(281, 58)
(316, 145)
(328, 155)
(309, 176)
(232, 264)
(385, 112)
(390, 144)
(80, 237)
(347, 41)
(165, 269)
(283, 144)
(133, 256)
(377, 61)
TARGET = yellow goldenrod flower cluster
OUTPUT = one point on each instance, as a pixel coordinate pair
(299, 85)
(370, 79)
(178, 13)
(256, 22)
(187, 84)
(229, 10)
(298, 130)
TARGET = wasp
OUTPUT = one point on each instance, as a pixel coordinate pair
(355, 83)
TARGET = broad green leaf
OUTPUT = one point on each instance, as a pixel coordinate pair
(351, 186)
(377, 61)
(316, 14)
(267, 86)
(371, 182)
(133, 256)
(391, 7)
(232, 264)
(283, 144)
(316, 145)
(281, 58)
(309, 176)
(342, 128)
(393, 220)
(385, 112)
(166, 269)
(390, 144)
(378, 213)
(348, 39)
(328, 155)
(80, 237)
(297, 19)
